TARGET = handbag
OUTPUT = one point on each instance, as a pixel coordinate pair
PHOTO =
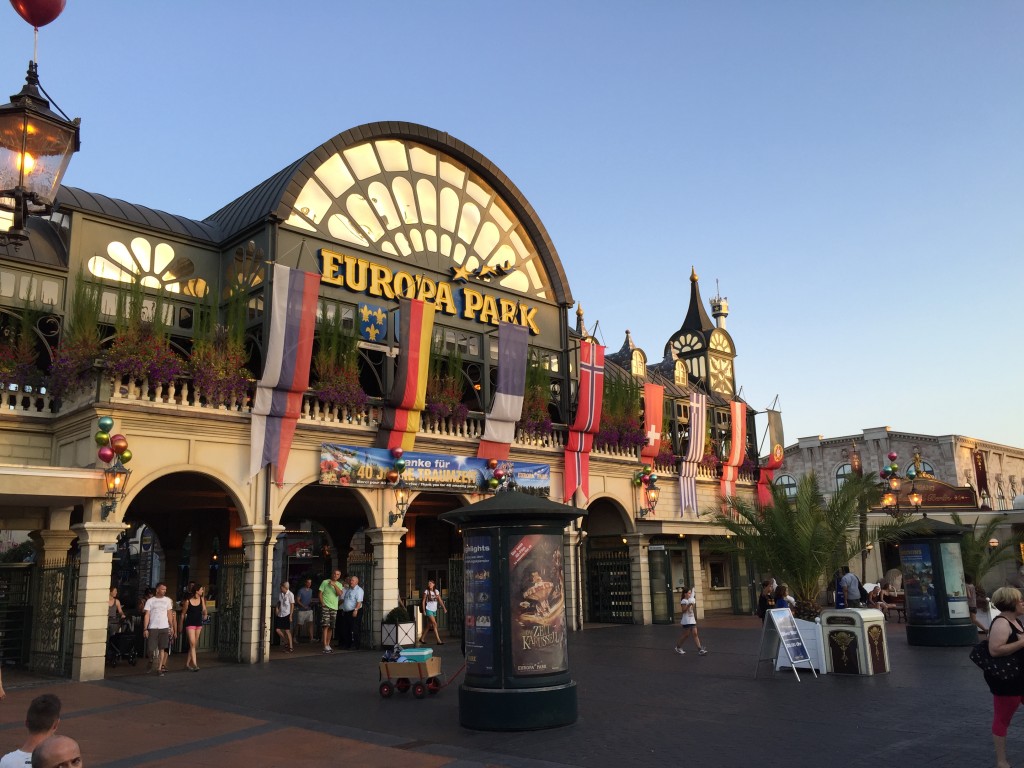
(999, 667)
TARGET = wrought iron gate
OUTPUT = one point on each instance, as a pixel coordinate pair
(55, 598)
(610, 587)
(456, 601)
(362, 566)
(230, 595)
(15, 613)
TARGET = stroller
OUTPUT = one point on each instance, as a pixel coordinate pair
(121, 645)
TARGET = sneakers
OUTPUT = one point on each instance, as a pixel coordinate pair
(328, 649)
(679, 650)
(702, 652)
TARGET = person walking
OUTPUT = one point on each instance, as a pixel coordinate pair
(115, 613)
(283, 616)
(192, 620)
(431, 600)
(351, 612)
(158, 627)
(850, 585)
(41, 720)
(304, 611)
(1005, 638)
(330, 591)
(689, 623)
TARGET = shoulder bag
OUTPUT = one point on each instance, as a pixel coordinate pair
(999, 667)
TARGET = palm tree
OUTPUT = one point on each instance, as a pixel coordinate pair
(805, 539)
(978, 557)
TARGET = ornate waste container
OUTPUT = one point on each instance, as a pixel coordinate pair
(855, 641)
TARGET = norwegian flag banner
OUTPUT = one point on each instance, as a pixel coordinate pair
(654, 407)
(587, 423)
(278, 402)
(737, 448)
(694, 453)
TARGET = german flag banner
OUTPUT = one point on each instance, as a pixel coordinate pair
(401, 420)
(694, 453)
(737, 448)
(507, 409)
(278, 401)
(775, 459)
(587, 422)
(654, 408)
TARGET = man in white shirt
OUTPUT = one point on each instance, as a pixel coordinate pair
(283, 616)
(42, 720)
(351, 615)
(158, 626)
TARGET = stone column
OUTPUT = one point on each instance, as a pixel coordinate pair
(52, 546)
(96, 542)
(639, 576)
(256, 591)
(386, 589)
(697, 565)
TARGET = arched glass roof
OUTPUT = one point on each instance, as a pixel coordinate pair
(414, 202)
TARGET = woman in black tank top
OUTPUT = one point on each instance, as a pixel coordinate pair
(192, 619)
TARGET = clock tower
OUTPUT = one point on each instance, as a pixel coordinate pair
(707, 350)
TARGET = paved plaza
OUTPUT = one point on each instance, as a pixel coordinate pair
(640, 705)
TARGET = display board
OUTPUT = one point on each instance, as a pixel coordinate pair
(780, 630)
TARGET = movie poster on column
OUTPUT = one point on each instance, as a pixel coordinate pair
(537, 604)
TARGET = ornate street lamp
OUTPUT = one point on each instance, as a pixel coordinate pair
(115, 477)
(401, 502)
(894, 482)
(645, 480)
(36, 145)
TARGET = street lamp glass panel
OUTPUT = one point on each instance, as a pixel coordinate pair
(888, 500)
(993, 542)
(914, 498)
(34, 153)
(894, 484)
(653, 492)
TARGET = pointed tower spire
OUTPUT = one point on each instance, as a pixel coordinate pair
(696, 316)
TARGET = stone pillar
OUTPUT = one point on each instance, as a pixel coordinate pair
(639, 577)
(96, 542)
(574, 547)
(256, 592)
(698, 585)
(52, 546)
(386, 589)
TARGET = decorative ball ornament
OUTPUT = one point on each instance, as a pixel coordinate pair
(499, 473)
(894, 467)
(652, 478)
(119, 443)
(126, 456)
(392, 477)
(647, 469)
(39, 13)
(400, 466)
(397, 453)
(492, 483)
(892, 455)
(106, 423)
(637, 482)
(883, 472)
(911, 472)
(492, 463)
(105, 454)
(102, 438)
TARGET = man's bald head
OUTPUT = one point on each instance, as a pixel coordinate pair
(57, 752)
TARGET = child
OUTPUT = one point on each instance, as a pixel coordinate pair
(689, 623)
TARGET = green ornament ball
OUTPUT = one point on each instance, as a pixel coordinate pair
(492, 483)
(102, 438)
(126, 456)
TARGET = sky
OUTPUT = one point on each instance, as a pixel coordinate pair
(850, 175)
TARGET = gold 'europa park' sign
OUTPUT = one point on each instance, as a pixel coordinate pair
(364, 276)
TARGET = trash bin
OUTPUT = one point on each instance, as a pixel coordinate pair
(855, 641)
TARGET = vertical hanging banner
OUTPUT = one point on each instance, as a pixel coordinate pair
(587, 422)
(980, 473)
(278, 401)
(737, 448)
(500, 429)
(775, 459)
(401, 419)
(654, 408)
(694, 453)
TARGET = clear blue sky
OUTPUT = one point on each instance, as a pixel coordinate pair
(851, 173)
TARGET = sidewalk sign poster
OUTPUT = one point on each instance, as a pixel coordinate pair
(953, 574)
(918, 580)
(789, 635)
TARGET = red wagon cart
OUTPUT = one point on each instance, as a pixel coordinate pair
(422, 677)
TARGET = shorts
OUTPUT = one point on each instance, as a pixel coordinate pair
(283, 622)
(328, 616)
(195, 626)
(158, 640)
(304, 617)
(431, 613)
(688, 624)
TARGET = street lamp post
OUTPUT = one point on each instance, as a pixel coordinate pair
(894, 481)
(646, 481)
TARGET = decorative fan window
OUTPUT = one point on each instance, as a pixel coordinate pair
(246, 270)
(411, 202)
(151, 267)
(720, 343)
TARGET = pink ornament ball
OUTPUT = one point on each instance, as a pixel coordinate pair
(105, 454)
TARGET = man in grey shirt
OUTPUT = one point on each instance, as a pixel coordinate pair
(850, 585)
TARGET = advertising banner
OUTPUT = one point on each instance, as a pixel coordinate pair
(918, 580)
(953, 574)
(479, 611)
(537, 604)
(368, 467)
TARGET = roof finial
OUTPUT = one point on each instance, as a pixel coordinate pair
(693, 275)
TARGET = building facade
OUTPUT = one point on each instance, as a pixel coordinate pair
(383, 212)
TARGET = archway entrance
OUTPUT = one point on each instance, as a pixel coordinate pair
(432, 550)
(609, 576)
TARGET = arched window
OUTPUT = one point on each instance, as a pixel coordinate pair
(842, 472)
(788, 484)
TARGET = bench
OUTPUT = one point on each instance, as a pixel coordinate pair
(900, 609)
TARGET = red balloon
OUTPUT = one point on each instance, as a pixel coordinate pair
(106, 453)
(397, 453)
(39, 13)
